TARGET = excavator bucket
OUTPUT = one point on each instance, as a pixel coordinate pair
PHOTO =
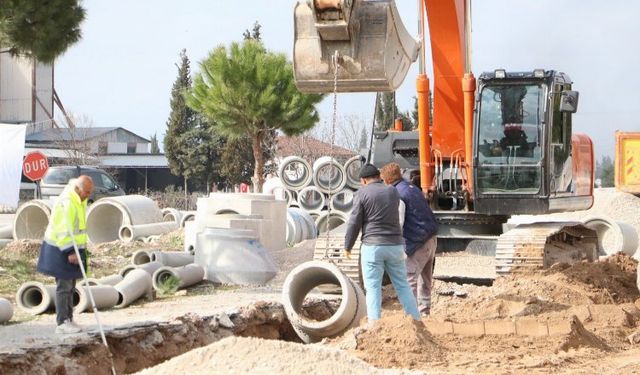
(373, 47)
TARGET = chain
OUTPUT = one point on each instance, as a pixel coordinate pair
(333, 139)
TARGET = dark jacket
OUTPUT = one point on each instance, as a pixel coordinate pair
(375, 212)
(54, 262)
(419, 221)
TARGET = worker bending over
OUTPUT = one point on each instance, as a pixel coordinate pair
(57, 255)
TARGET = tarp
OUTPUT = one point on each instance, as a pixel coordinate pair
(11, 154)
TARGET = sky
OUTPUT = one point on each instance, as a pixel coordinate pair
(122, 71)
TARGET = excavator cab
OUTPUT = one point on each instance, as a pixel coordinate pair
(366, 39)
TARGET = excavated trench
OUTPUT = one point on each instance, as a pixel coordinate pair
(141, 346)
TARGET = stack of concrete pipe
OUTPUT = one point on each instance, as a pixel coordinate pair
(318, 187)
(161, 266)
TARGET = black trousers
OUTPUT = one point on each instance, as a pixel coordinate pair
(64, 300)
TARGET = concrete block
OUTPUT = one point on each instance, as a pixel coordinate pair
(531, 327)
(439, 328)
(469, 329)
(611, 315)
(559, 327)
(499, 327)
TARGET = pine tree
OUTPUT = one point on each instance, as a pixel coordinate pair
(155, 148)
(364, 139)
(605, 171)
(386, 111)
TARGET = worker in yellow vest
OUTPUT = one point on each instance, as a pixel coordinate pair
(57, 254)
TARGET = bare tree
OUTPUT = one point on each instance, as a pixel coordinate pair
(72, 139)
(348, 131)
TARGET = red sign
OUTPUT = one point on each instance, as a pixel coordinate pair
(35, 165)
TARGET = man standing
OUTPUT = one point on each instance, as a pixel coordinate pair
(375, 213)
(419, 230)
(57, 255)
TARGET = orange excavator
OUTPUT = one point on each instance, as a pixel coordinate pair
(497, 146)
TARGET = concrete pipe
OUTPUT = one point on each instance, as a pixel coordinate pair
(307, 276)
(6, 232)
(36, 298)
(300, 226)
(149, 268)
(326, 222)
(187, 216)
(613, 236)
(171, 215)
(31, 220)
(187, 275)
(295, 173)
(151, 239)
(140, 257)
(105, 296)
(6, 310)
(311, 199)
(342, 201)
(107, 215)
(352, 171)
(275, 187)
(328, 175)
(107, 280)
(172, 258)
(129, 233)
(135, 285)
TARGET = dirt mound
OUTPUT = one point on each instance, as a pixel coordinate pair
(579, 337)
(22, 249)
(238, 355)
(397, 340)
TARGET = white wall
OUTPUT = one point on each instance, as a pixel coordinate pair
(116, 148)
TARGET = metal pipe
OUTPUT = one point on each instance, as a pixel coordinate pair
(422, 86)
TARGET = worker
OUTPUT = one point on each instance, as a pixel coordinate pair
(375, 213)
(57, 255)
(419, 230)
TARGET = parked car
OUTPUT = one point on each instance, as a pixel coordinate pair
(57, 177)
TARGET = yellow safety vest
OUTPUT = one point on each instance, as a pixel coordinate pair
(68, 217)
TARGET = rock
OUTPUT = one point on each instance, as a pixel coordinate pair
(224, 321)
(180, 293)
(634, 338)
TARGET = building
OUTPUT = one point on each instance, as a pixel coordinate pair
(310, 149)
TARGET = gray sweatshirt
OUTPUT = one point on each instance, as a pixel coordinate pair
(375, 212)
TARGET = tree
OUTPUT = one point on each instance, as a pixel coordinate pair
(605, 171)
(364, 139)
(248, 91)
(182, 120)
(40, 29)
(155, 148)
(386, 111)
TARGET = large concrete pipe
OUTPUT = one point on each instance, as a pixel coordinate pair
(352, 171)
(300, 226)
(31, 220)
(135, 284)
(326, 222)
(342, 201)
(311, 199)
(307, 276)
(36, 298)
(6, 310)
(613, 236)
(295, 173)
(130, 233)
(107, 280)
(328, 175)
(171, 215)
(172, 258)
(107, 215)
(186, 217)
(149, 268)
(187, 275)
(275, 187)
(105, 296)
(140, 257)
(234, 256)
(6, 232)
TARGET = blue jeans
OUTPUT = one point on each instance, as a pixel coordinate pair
(375, 259)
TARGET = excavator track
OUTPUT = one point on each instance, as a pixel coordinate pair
(536, 246)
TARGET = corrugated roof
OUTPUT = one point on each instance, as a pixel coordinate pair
(134, 161)
(77, 134)
(309, 147)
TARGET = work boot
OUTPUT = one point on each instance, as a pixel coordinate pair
(68, 328)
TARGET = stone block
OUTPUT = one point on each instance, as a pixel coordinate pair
(499, 327)
(439, 328)
(559, 327)
(469, 329)
(531, 327)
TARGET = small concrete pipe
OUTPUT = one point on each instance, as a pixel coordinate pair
(328, 175)
(107, 280)
(171, 215)
(324, 222)
(6, 310)
(140, 257)
(311, 199)
(36, 298)
(6, 232)
(135, 285)
(187, 275)
(307, 276)
(295, 173)
(187, 216)
(352, 171)
(342, 201)
(149, 268)
(129, 233)
(31, 220)
(107, 215)
(613, 236)
(106, 297)
(172, 258)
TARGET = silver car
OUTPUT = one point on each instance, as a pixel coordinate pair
(57, 177)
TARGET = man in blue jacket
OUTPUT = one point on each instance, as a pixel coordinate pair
(419, 230)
